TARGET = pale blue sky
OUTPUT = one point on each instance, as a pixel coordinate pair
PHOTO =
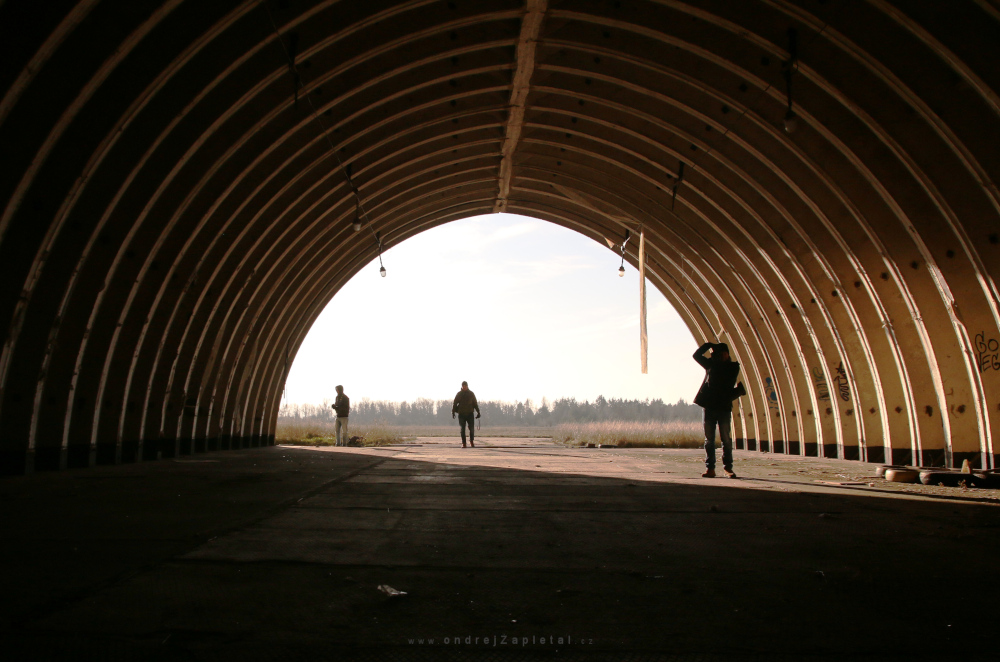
(519, 307)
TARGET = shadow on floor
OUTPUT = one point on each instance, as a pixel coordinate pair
(278, 553)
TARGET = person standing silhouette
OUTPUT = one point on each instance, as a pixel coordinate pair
(465, 403)
(716, 397)
(342, 405)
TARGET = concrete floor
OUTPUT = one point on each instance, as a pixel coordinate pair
(278, 553)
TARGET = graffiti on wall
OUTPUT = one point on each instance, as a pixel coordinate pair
(987, 353)
(771, 393)
(822, 388)
(843, 387)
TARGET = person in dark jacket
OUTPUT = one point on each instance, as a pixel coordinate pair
(342, 405)
(716, 397)
(465, 403)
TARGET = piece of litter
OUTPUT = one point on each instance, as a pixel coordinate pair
(390, 591)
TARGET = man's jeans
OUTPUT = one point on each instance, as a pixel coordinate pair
(723, 418)
(340, 430)
(471, 420)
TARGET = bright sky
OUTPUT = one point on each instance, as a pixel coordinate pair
(519, 307)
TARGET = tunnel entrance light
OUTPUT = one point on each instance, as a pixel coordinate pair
(382, 271)
(621, 269)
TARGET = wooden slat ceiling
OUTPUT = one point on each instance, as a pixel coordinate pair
(179, 182)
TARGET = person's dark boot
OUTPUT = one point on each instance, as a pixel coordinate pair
(709, 474)
(730, 473)
(472, 443)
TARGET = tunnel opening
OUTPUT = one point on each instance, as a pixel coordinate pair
(181, 184)
(520, 308)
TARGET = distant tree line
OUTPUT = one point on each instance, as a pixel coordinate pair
(564, 410)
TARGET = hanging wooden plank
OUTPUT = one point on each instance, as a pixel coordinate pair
(643, 338)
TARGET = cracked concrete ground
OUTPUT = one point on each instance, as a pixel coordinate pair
(279, 553)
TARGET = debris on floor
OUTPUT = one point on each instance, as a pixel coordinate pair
(390, 591)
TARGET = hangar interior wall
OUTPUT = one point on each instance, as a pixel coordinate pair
(179, 181)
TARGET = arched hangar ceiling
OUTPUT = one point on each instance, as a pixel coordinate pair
(179, 182)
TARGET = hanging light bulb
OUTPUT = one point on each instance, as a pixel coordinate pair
(791, 122)
(357, 216)
(378, 240)
(628, 235)
(357, 225)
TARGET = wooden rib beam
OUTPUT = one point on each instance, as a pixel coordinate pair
(172, 240)
(531, 26)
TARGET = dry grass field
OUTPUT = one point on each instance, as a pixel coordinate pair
(485, 431)
(323, 433)
(626, 434)
(611, 433)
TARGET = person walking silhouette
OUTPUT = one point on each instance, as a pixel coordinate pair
(465, 403)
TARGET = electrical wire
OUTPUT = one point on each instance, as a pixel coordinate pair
(323, 129)
(746, 107)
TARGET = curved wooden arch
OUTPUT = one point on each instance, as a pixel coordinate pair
(175, 210)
